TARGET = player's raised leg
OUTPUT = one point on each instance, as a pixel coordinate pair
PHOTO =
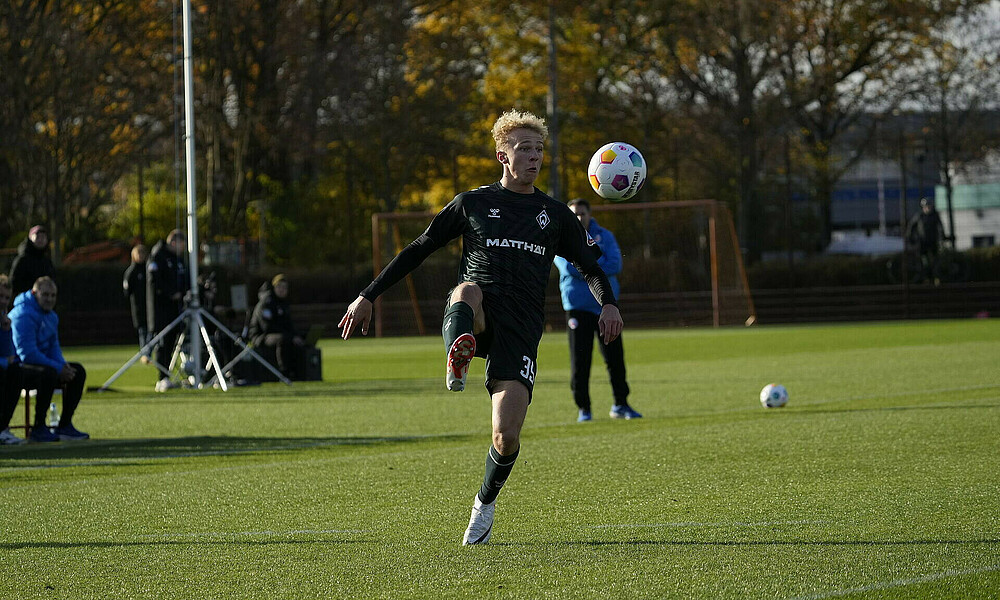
(510, 406)
(460, 322)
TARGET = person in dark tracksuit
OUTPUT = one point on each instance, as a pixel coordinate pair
(134, 288)
(167, 281)
(927, 232)
(32, 261)
(271, 325)
(10, 381)
(582, 311)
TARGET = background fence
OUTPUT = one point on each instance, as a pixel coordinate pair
(678, 309)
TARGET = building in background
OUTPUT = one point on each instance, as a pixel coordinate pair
(975, 203)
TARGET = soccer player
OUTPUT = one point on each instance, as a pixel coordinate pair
(511, 232)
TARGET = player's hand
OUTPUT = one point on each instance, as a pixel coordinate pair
(610, 323)
(67, 373)
(358, 313)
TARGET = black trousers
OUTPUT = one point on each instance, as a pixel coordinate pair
(45, 380)
(581, 351)
(144, 336)
(10, 392)
(164, 315)
(285, 351)
(164, 350)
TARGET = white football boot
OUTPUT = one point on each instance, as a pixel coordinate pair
(480, 524)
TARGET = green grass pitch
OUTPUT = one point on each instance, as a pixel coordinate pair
(880, 479)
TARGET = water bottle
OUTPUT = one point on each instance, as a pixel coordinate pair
(53, 415)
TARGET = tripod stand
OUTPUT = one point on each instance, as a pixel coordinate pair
(194, 316)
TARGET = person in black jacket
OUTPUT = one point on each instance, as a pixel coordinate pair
(134, 287)
(927, 232)
(32, 261)
(271, 325)
(167, 281)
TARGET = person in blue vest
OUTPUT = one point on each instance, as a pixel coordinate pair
(36, 338)
(582, 311)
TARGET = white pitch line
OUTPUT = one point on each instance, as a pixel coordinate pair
(899, 583)
(702, 524)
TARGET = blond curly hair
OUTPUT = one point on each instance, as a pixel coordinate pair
(516, 119)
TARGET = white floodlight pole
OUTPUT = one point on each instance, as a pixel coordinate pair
(194, 313)
(194, 337)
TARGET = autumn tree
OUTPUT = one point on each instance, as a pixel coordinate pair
(80, 91)
(956, 84)
(842, 61)
(725, 67)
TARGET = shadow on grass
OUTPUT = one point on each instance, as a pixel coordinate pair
(274, 392)
(195, 446)
(192, 542)
(239, 541)
(750, 543)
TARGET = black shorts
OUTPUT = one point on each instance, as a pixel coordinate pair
(509, 343)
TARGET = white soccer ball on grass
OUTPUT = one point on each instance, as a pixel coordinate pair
(774, 395)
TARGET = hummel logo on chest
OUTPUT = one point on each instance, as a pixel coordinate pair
(494, 213)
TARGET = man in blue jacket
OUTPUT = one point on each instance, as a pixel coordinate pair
(36, 338)
(582, 311)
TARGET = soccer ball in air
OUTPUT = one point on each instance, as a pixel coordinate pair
(617, 171)
(773, 396)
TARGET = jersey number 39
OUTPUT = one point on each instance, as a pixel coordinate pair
(528, 372)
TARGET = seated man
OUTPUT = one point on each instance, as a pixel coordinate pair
(10, 388)
(42, 366)
(271, 325)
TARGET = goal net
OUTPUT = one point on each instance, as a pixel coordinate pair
(681, 266)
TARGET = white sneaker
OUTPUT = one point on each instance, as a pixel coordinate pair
(480, 524)
(9, 439)
(164, 385)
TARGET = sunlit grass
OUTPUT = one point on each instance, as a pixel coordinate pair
(879, 479)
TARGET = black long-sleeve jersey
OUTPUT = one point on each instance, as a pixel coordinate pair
(509, 242)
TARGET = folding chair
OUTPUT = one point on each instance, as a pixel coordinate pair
(29, 400)
(27, 414)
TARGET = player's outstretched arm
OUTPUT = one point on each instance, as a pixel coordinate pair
(610, 323)
(358, 313)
